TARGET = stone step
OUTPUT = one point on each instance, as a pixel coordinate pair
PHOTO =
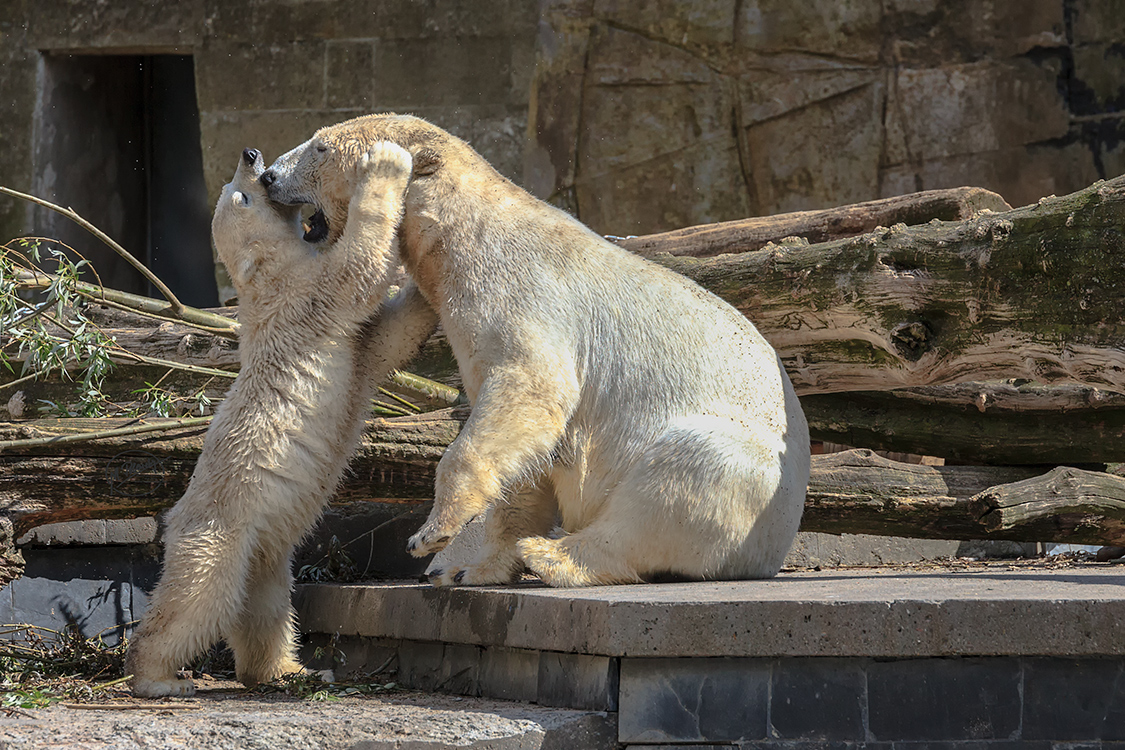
(995, 656)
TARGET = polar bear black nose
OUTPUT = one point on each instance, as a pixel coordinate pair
(267, 178)
(250, 155)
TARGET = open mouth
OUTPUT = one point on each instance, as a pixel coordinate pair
(316, 227)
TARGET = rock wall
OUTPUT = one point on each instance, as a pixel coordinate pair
(647, 117)
(268, 74)
(643, 116)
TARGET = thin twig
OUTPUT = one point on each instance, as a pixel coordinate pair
(412, 407)
(134, 706)
(111, 683)
(390, 409)
(429, 388)
(17, 381)
(117, 432)
(172, 364)
(70, 213)
(192, 316)
(230, 333)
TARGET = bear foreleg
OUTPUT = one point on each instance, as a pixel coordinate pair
(518, 417)
(359, 264)
(527, 513)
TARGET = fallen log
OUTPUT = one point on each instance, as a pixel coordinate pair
(856, 492)
(125, 476)
(1085, 507)
(1030, 293)
(989, 423)
(744, 235)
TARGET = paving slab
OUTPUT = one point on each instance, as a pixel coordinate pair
(990, 610)
(224, 718)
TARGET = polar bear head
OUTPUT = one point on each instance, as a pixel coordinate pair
(252, 233)
(320, 171)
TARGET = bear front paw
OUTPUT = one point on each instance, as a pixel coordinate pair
(473, 575)
(429, 540)
(386, 159)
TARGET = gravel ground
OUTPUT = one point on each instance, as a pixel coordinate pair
(221, 716)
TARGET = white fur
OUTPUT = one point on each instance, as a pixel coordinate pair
(311, 352)
(644, 412)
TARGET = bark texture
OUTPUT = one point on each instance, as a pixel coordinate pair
(744, 235)
(855, 492)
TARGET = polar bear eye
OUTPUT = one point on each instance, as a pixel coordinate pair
(321, 149)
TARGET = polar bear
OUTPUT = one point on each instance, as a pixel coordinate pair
(643, 414)
(311, 351)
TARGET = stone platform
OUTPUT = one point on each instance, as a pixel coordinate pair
(990, 656)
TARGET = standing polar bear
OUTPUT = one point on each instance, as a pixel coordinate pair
(311, 352)
(644, 413)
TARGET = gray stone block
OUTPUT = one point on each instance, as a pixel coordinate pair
(510, 674)
(350, 74)
(92, 608)
(1067, 699)
(577, 681)
(460, 672)
(229, 76)
(944, 699)
(818, 699)
(350, 656)
(888, 614)
(433, 72)
(693, 700)
(421, 664)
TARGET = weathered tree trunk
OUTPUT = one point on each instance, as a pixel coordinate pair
(1030, 293)
(990, 423)
(744, 235)
(1065, 503)
(853, 492)
(139, 475)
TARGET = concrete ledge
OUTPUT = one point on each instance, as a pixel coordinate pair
(991, 611)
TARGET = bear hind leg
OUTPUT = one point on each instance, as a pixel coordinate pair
(585, 558)
(264, 636)
(199, 596)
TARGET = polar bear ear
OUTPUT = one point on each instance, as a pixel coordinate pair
(426, 161)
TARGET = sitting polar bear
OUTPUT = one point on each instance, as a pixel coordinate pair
(646, 415)
(311, 352)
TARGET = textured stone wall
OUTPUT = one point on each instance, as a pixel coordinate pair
(651, 116)
(644, 116)
(268, 73)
